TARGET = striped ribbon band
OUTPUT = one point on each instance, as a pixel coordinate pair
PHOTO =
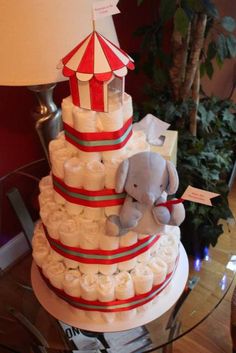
(99, 198)
(115, 305)
(97, 256)
(99, 141)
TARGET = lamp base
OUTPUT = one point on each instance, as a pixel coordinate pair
(47, 115)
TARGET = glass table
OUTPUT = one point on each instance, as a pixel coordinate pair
(25, 326)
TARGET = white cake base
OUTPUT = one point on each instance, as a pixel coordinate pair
(62, 311)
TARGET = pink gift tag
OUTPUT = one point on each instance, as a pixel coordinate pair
(198, 195)
(105, 8)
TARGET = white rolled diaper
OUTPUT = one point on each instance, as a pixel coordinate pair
(93, 213)
(47, 195)
(159, 269)
(128, 239)
(45, 183)
(84, 120)
(142, 276)
(74, 172)
(73, 209)
(113, 120)
(124, 287)
(127, 107)
(58, 158)
(108, 243)
(168, 255)
(88, 285)
(94, 176)
(69, 233)
(55, 145)
(87, 157)
(88, 268)
(111, 167)
(40, 253)
(89, 234)
(70, 264)
(55, 273)
(107, 269)
(71, 283)
(106, 288)
(127, 265)
(53, 222)
(67, 107)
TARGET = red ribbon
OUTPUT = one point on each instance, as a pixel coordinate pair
(169, 204)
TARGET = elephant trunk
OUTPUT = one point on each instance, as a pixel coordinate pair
(148, 199)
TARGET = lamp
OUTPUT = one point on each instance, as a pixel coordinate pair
(35, 35)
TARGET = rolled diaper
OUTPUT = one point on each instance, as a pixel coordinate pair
(48, 207)
(113, 120)
(55, 145)
(88, 285)
(128, 239)
(112, 210)
(115, 154)
(55, 256)
(53, 222)
(94, 213)
(108, 317)
(70, 264)
(58, 198)
(144, 257)
(67, 107)
(55, 273)
(124, 287)
(47, 195)
(73, 209)
(168, 255)
(87, 157)
(159, 269)
(107, 269)
(142, 276)
(108, 243)
(45, 183)
(127, 107)
(71, 283)
(84, 120)
(88, 268)
(127, 265)
(74, 172)
(89, 234)
(40, 254)
(111, 167)
(168, 241)
(58, 158)
(69, 233)
(94, 176)
(106, 288)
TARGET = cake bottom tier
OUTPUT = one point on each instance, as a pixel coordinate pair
(100, 321)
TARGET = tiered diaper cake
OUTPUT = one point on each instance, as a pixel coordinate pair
(110, 277)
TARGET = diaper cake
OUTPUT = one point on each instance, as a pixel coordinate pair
(108, 242)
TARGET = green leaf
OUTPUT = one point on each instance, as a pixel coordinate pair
(209, 68)
(181, 22)
(167, 10)
(219, 61)
(211, 51)
(228, 23)
(202, 69)
(222, 49)
(231, 45)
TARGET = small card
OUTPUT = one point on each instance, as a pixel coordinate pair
(198, 195)
(105, 8)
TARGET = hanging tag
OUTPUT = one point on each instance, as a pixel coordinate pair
(105, 8)
(199, 195)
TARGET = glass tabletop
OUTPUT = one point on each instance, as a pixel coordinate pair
(25, 326)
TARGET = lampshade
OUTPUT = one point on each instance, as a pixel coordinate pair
(37, 34)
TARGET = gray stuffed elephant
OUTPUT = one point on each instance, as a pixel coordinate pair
(147, 178)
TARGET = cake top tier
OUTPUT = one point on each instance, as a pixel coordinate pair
(96, 57)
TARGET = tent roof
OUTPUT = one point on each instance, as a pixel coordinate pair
(96, 56)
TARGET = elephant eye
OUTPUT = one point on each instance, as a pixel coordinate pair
(135, 185)
(161, 185)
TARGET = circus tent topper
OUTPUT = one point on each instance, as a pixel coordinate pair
(95, 67)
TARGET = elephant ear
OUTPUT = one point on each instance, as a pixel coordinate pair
(173, 178)
(121, 175)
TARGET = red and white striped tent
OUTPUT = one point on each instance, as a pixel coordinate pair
(92, 66)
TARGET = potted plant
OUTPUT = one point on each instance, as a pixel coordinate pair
(206, 125)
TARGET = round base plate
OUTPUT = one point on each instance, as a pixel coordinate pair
(94, 321)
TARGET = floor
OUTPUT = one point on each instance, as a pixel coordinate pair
(213, 335)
